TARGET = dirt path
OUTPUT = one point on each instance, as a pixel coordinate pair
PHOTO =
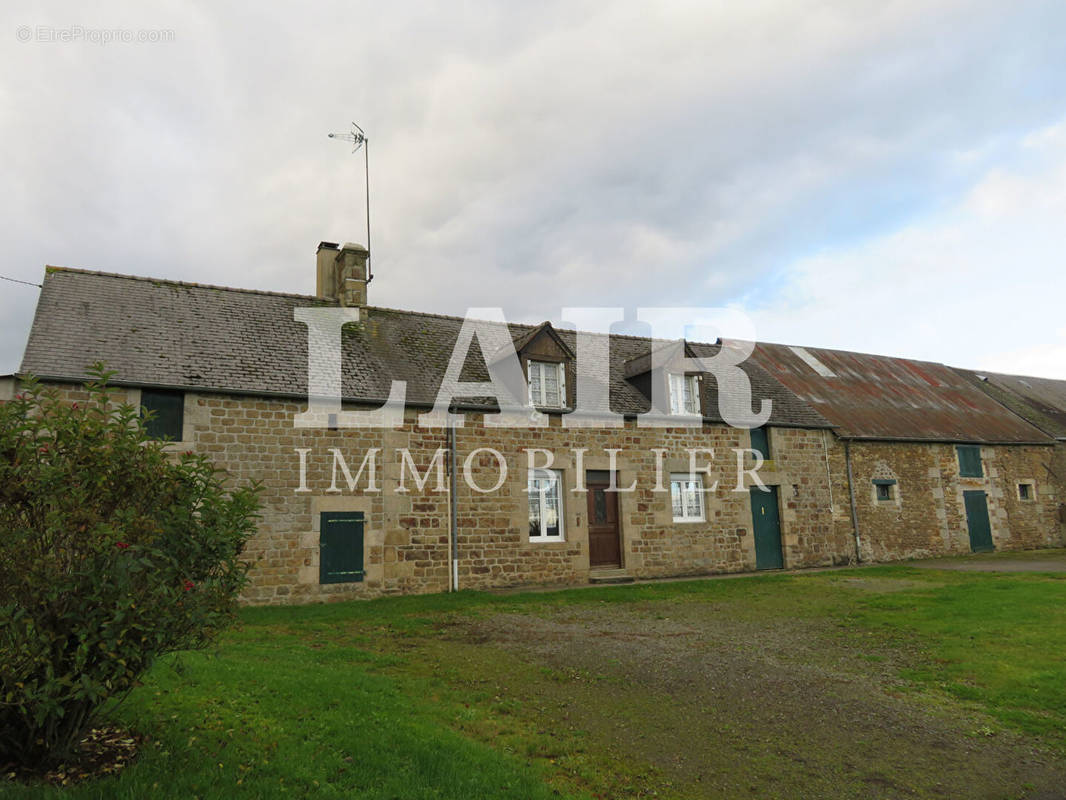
(723, 707)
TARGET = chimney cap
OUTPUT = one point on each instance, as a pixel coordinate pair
(354, 246)
(327, 246)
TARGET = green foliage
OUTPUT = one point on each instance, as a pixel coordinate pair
(112, 553)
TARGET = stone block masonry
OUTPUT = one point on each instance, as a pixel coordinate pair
(406, 533)
(925, 515)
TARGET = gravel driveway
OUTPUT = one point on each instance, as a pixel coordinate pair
(726, 707)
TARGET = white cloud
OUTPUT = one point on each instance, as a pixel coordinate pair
(532, 156)
(980, 284)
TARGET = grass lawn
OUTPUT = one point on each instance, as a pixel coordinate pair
(884, 681)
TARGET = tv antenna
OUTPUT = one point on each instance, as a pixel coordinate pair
(358, 139)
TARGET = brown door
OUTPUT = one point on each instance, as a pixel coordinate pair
(604, 549)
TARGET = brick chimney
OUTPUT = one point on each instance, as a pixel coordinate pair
(341, 273)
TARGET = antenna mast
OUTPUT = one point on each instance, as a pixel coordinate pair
(358, 139)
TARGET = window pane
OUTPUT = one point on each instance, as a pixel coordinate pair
(534, 383)
(599, 506)
(168, 408)
(534, 507)
(545, 504)
(551, 508)
(551, 385)
(689, 382)
(676, 392)
(686, 495)
(693, 504)
(675, 497)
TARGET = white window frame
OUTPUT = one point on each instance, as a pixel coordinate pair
(542, 366)
(556, 476)
(684, 479)
(678, 381)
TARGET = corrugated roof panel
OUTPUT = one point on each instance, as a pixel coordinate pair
(878, 397)
(1041, 401)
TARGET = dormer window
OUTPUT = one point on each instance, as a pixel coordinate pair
(547, 384)
(684, 394)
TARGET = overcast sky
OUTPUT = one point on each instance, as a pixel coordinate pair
(887, 177)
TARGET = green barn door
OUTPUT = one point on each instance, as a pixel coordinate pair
(977, 521)
(767, 526)
(341, 547)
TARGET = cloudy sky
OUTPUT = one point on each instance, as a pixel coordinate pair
(887, 177)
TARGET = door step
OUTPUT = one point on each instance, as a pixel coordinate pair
(615, 575)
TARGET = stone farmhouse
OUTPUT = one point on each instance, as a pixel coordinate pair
(864, 458)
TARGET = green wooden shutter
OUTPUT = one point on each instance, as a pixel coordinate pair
(168, 412)
(340, 547)
(760, 442)
(969, 461)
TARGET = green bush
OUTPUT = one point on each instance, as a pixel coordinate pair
(112, 553)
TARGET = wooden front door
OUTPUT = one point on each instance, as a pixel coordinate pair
(766, 523)
(604, 547)
(977, 521)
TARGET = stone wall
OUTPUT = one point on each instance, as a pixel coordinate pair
(407, 543)
(926, 515)
(406, 535)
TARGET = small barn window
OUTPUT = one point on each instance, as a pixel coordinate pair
(1025, 491)
(969, 461)
(884, 490)
(167, 413)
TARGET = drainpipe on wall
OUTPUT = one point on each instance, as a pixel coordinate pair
(854, 511)
(452, 472)
(828, 472)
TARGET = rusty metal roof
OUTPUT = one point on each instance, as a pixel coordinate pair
(1041, 401)
(884, 398)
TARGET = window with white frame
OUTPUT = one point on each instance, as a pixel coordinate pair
(684, 394)
(545, 505)
(686, 495)
(547, 384)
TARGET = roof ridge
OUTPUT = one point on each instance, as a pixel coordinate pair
(532, 326)
(1017, 375)
(50, 268)
(761, 342)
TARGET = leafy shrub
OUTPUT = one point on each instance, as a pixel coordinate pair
(112, 553)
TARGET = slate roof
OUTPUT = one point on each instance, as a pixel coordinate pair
(884, 398)
(190, 336)
(1041, 401)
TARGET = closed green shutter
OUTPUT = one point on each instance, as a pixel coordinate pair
(168, 411)
(969, 461)
(340, 547)
(760, 442)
